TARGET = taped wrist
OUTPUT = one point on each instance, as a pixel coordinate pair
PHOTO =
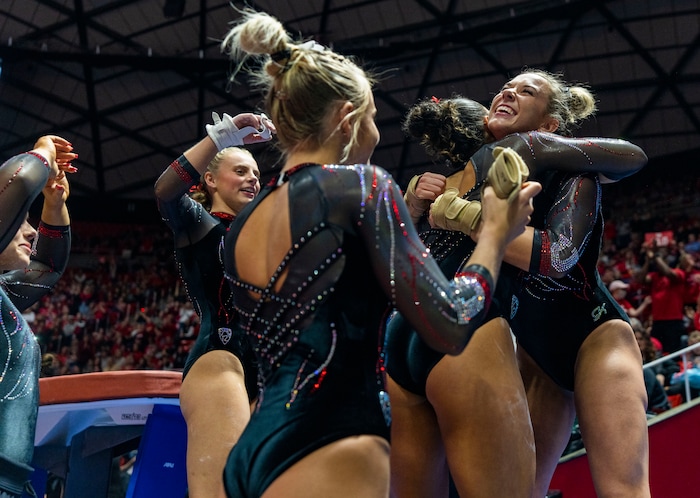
(451, 212)
(507, 173)
(415, 205)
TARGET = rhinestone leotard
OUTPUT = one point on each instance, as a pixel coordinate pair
(565, 238)
(319, 337)
(22, 178)
(556, 309)
(198, 253)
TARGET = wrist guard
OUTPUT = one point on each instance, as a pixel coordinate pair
(451, 212)
(415, 205)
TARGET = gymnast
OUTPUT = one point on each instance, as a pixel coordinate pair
(317, 260)
(32, 261)
(198, 195)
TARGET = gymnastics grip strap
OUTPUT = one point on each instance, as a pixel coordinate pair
(451, 212)
(225, 133)
(507, 173)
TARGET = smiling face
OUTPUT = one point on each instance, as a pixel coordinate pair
(18, 252)
(521, 105)
(234, 183)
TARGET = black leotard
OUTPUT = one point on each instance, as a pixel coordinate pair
(198, 245)
(409, 359)
(319, 337)
(562, 300)
(22, 178)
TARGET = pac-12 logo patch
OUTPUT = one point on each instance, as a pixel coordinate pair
(225, 335)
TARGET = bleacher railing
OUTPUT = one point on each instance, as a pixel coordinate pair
(683, 353)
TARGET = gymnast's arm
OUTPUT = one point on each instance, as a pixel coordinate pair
(21, 179)
(614, 159)
(28, 285)
(187, 218)
(445, 312)
(52, 245)
(554, 249)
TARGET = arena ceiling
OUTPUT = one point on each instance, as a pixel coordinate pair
(132, 83)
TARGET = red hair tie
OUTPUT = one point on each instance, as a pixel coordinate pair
(435, 99)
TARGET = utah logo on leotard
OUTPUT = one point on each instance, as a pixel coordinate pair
(513, 307)
(225, 335)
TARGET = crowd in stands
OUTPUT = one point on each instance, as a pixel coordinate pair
(120, 304)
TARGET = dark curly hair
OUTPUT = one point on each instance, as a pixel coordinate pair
(451, 130)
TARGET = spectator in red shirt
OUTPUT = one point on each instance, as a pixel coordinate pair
(667, 290)
(686, 263)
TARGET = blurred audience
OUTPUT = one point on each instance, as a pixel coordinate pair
(618, 289)
(666, 283)
(120, 305)
(655, 378)
(689, 370)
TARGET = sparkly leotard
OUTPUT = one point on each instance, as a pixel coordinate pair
(319, 336)
(562, 300)
(409, 360)
(198, 252)
(21, 181)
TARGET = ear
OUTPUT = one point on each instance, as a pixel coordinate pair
(551, 125)
(209, 179)
(346, 124)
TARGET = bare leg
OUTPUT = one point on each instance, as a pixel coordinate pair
(215, 405)
(481, 407)
(418, 466)
(612, 401)
(352, 467)
(552, 413)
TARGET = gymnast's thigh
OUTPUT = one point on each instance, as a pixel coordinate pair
(352, 466)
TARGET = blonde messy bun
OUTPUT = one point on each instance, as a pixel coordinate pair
(302, 82)
(568, 103)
